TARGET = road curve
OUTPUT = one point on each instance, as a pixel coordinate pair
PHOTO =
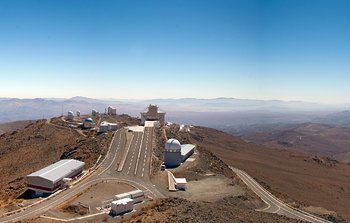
(274, 205)
(106, 171)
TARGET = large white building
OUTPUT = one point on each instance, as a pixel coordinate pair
(175, 153)
(153, 114)
(51, 178)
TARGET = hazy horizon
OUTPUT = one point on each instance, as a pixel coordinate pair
(251, 49)
(184, 98)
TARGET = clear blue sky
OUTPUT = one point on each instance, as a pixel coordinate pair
(268, 49)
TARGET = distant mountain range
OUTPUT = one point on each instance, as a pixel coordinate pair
(320, 139)
(206, 112)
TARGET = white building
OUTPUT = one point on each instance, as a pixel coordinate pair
(122, 206)
(106, 126)
(137, 196)
(180, 183)
(51, 178)
(172, 153)
(175, 153)
(185, 128)
(70, 116)
(153, 114)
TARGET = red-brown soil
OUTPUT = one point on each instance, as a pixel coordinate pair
(295, 177)
(230, 209)
(12, 126)
(319, 139)
(40, 144)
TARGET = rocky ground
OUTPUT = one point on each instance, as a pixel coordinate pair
(42, 143)
(213, 205)
(297, 178)
(230, 209)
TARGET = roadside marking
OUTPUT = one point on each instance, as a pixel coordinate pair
(138, 156)
(120, 168)
(115, 155)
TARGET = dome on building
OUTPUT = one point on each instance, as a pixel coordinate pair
(89, 120)
(173, 144)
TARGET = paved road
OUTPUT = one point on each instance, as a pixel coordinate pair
(274, 205)
(140, 146)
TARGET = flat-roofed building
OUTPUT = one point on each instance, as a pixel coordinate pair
(153, 114)
(111, 110)
(51, 178)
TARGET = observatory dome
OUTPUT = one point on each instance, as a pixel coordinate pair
(173, 144)
(89, 120)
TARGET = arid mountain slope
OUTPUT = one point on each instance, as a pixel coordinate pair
(297, 178)
(38, 145)
(12, 126)
(319, 139)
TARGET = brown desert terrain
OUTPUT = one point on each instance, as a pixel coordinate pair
(297, 178)
(318, 139)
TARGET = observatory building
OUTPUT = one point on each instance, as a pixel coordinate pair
(153, 114)
(70, 116)
(111, 110)
(106, 126)
(89, 123)
(175, 153)
(51, 178)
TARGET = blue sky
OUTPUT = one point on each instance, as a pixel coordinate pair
(286, 49)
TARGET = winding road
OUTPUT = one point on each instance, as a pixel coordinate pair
(274, 205)
(137, 158)
(128, 160)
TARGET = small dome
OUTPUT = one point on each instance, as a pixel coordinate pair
(89, 120)
(173, 144)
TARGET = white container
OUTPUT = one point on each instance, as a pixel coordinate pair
(104, 127)
(122, 196)
(136, 193)
(112, 126)
(122, 206)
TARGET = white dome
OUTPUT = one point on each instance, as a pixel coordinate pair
(173, 144)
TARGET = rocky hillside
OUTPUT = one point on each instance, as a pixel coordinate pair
(42, 143)
(300, 179)
(12, 126)
(319, 139)
(38, 145)
(231, 209)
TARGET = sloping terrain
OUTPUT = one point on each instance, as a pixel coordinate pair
(12, 126)
(230, 209)
(319, 139)
(339, 118)
(295, 177)
(42, 143)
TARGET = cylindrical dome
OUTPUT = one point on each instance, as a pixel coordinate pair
(172, 153)
(89, 120)
(173, 145)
